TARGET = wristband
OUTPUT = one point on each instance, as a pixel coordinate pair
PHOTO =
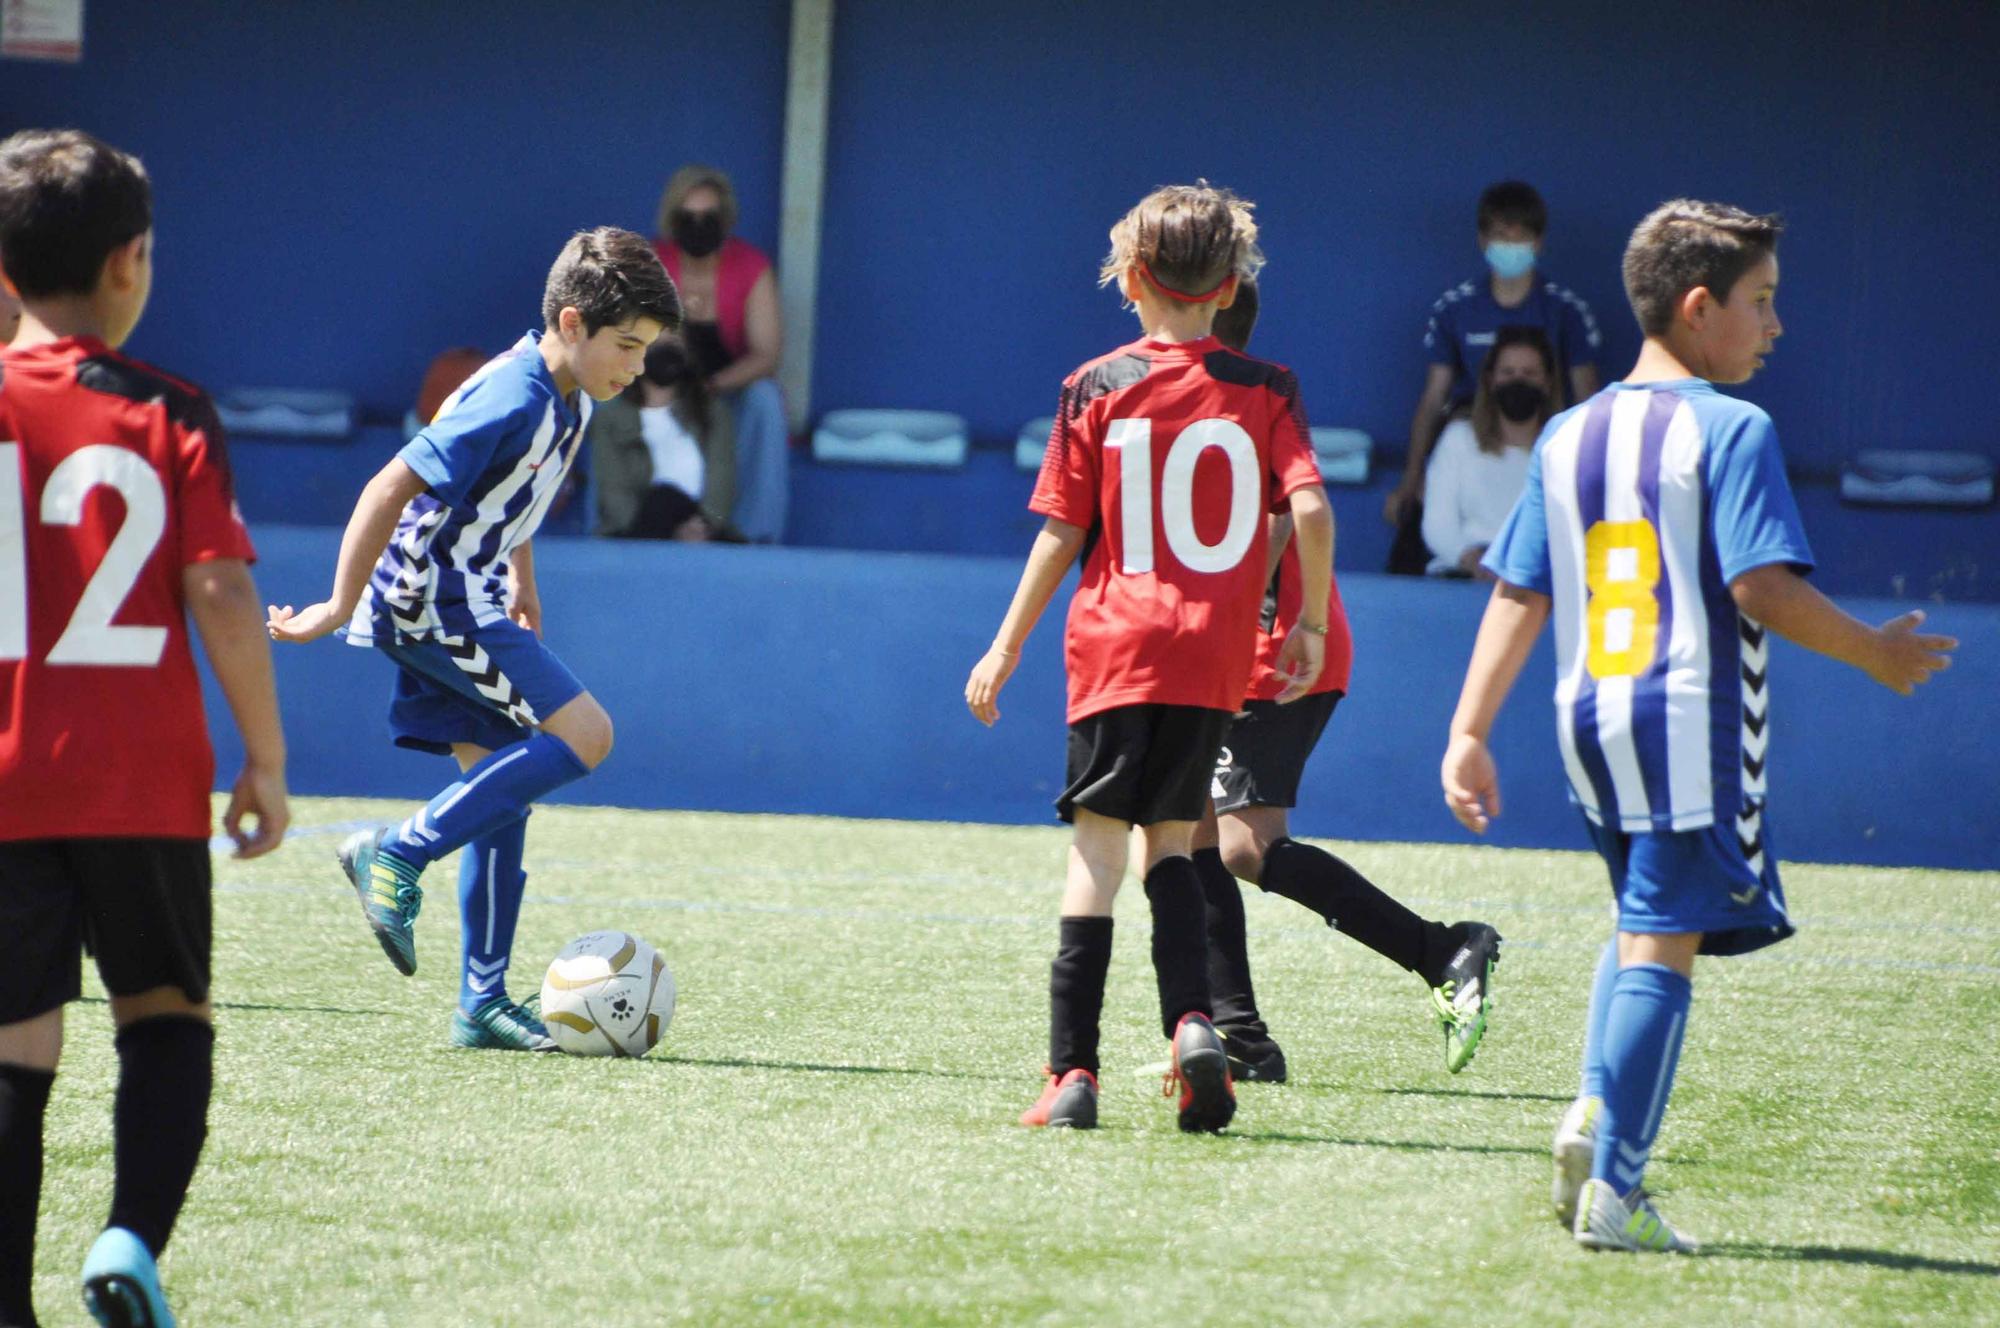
(1308, 627)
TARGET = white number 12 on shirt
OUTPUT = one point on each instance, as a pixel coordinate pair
(1133, 441)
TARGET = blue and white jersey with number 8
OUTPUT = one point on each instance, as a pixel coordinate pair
(1642, 505)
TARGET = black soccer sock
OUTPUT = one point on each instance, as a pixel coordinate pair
(1180, 939)
(1351, 903)
(24, 1103)
(1235, 1000)
(159, 1121)
(1076, 993)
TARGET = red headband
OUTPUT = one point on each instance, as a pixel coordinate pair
(1183, 296)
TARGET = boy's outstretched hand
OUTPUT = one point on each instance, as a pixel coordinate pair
(1904, 660)
(1471, 783)
(307, 624)
(982, 689)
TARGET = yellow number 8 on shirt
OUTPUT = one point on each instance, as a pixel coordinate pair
(1621, 568)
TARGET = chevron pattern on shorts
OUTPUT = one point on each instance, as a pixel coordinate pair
(486, 677)
(1755, 664)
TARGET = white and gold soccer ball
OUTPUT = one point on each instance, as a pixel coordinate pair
(607, 994)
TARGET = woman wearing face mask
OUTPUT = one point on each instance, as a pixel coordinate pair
(734, 335)
(1481, 459)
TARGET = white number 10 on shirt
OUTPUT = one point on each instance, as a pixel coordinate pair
(1133, 441)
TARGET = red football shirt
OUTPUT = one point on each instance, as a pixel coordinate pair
(1281, 611)
(1171, 455)
(113, 478)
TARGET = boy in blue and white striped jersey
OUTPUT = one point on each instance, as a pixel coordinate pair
(436, 571)
(1658, 527)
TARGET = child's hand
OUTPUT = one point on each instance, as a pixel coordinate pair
(1300, 660)
(307, 624)
(258, 793)
(526, 609)
(1904, 660)
(1471, 783)
(989, 675)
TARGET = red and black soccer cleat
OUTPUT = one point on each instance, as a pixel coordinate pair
(1069, 1101)
(1201, 1069)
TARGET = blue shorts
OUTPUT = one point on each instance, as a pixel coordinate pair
(1698, 880)
(492, 687)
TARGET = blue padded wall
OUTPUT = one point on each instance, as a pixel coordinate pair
(832, 682)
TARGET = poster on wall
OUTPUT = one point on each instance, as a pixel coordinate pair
(41, 30)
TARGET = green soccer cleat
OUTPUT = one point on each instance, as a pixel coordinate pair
(1464, 995)
(1606, 1222)
(499, 1025)
(389, 900)
(1575, 1147)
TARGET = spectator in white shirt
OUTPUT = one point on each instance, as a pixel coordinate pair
(1480, 463)
(661, 454)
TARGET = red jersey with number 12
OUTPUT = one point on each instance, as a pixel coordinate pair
(113, 478)
(1171, 455)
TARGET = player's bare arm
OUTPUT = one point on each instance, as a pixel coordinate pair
(1303, 655)
(1894, 654)
(1514, 618)
(524, 598)
(222, 600)
(1055, 548)
(368, 532)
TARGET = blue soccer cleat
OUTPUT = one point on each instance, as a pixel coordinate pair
(121, 1283)
(501, 1025)
(390, 895)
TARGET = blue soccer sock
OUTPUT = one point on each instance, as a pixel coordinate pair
(1642, 1046)
(497, 790)
(490, 885)
(1593, 1022)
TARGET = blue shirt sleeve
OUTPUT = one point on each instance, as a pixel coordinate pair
(1441, 336)
(455, 449)
(1580, 335)
(1756, 520)
(1519, 554)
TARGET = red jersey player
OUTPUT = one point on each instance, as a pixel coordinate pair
(1166, 455)
(1249, 835)
(116, 524)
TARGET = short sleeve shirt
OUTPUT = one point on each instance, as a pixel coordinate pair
(1641, 506)
(1171, 455)
(1465, 319)
(114, 478)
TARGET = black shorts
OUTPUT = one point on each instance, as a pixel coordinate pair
(1264, 756)
(141, 907)
(1143, 763)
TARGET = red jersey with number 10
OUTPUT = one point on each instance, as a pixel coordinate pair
(113, 478)
(1171, 455)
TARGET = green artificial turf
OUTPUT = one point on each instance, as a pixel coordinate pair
(826, 1134)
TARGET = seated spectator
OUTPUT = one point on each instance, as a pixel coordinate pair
(662, 454)
(734, 334)
(1480, 463)
(1512, 224)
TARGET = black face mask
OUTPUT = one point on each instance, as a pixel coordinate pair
(1519, 399)
(698, 234)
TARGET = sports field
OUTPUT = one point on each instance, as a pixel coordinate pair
(826, 1134)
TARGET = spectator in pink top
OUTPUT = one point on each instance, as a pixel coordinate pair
(734, 333)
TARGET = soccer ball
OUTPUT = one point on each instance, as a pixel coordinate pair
(607, 994)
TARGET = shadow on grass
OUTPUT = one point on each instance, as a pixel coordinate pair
(1401, 1145)
(1478, 1092)
(269, 1009)
(809, 1067)
(1913, 1263)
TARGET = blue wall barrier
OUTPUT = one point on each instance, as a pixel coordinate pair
(344, 190)
(773, 680)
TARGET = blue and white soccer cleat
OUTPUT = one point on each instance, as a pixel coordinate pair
(390, 895)
(121, 1283)
(1575, 1147)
